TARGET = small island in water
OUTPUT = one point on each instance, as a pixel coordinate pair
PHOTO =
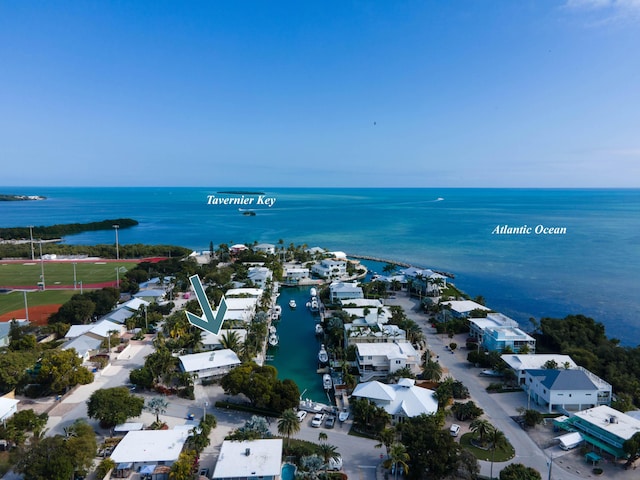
(19, 198)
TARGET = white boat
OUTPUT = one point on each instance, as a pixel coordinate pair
(319, 329)
(313, 305)
(326, 381)
(292, 303)
(343, 415)
(272, 329)
(313, 292)
(323, 356)
(273, 340)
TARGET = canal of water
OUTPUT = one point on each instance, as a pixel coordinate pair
(296, 356)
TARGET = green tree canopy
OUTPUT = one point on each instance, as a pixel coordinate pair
(113, 406)
(61, 370)
(518, 471)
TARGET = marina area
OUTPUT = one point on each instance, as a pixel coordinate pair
(296, 356)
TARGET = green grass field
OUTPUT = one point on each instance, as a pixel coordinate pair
(15, 300)
(27, 274)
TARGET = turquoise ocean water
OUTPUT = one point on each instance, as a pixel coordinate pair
(593, 269)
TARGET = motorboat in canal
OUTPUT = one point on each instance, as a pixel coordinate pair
(273, 340)
(292, 303)
(327, 383)
(319, 329)
(323, 356)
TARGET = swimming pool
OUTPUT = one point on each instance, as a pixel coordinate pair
(288, 471)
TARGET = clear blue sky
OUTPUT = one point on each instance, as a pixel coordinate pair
(500, 93)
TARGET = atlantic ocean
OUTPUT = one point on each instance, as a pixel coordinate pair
(586, 261)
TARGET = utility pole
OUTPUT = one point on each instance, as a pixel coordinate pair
(33, 254)
(42, 267)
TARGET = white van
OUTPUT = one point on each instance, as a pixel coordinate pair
(454, 430)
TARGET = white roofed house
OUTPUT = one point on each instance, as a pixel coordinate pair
(140, 448)
(520, 362)
(566, 390)
(463, 308)
(260, 276)
(249, 459)
(209, 364)
(357, 332)
(330, 268)
(5, 330)
(402, 400)
(294, 274)
(8, 407)
(499, 339)
(339, 291)
(212, 341)
(377, 360)
(267, 248)
(477, 326)
(84, 345)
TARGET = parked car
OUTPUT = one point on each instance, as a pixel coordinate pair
(317, 420)
(454, 430)
(330, 421)
(301, 415)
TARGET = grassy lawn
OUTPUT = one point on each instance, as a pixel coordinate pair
(27, 274)
(501, 455)
(15, 300)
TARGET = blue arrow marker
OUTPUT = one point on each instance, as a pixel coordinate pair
(208, 322)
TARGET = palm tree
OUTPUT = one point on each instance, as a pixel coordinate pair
(386, 438)
(482, 428)
(498, 441)
(328, 452)
(399, 456)
(288, 424)
(432, 371)
(322, 437)
(157, 405)
(231, 340)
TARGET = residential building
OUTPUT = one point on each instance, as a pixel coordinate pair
(211, 341)
(377, 360)
(100, 330)
(566, 390)
(149, 448)
(84, 345)
(294, 274)
(369, 315)
(520, 362)
(209, 364)
(402, 400)
(268, 248)
(507, 338)
(493, 320)
(260, 276)
(340, 291)
(5, 329)
(603, 427)
(250, 459)
(8, 407)
(330, 268)
(463, 308)
(359, 332)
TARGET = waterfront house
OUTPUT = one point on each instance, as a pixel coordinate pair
(370, 315)
(477, 326)
(330, 268)
(359, 332)
(152, 295)
(249, 459)
(463, 308)
(497, 339)
(211, 341)
(566, 390)
(8, 407)
(377, 360)
(260, 276)
(268, 248)
(209, 364)
(295, 274)
(149, 448)
(340, 291)
(520, 362)
(402, 400)
(603, 427)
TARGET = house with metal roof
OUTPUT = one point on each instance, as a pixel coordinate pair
(566, 390)
(381, 359)
(520, 362)
(8, 407)
(402, 400)
(5, 329)
(209, 364)
(603, 427)
(84, 345)
(249, 459)
(339, 291)
(499, 339)
(141, 448)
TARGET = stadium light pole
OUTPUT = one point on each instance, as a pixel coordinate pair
(33, 253)
(42, 267)
(116, 227)
(26, 307)
(75, 283)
